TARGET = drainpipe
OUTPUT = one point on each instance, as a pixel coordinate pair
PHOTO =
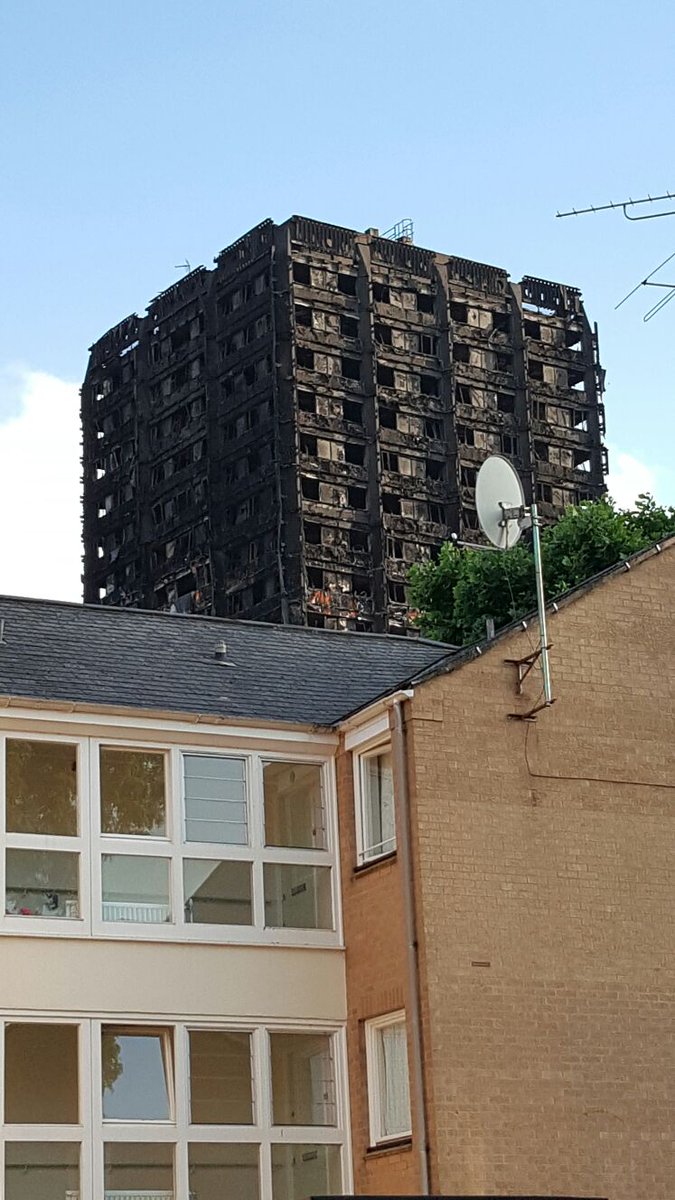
(416, 1074)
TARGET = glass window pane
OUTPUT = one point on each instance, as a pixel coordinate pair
(41, 1074)
(217, 893)
(299, 1172)
(42, 1171)
(41, 788)
(136, 1072)
(223, 1172)
(393, 1085)
(379, 826)
(220, 1078)
(215, 799)
(135, 888)
(42, 883)
(297, 896)
(138, 1170)
(303, 1079)
(132, 792)
(294, 812)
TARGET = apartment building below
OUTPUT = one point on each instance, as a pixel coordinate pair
(292, 913)
(281, 437)
(172, 993)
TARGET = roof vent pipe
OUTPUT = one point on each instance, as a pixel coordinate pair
(220, 653)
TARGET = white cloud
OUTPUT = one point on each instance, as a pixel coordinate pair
(628, 477)
(40, 531)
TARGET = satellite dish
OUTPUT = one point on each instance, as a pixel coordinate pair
(498, 487)
(502, 516)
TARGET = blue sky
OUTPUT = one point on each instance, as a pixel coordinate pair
(135, 136)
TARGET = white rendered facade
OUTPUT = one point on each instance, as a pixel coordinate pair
(172, 996)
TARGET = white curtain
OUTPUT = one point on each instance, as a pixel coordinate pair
(380, 826)
(395, 1092)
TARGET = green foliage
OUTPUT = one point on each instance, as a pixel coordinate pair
(111, 1057)
(456, 594)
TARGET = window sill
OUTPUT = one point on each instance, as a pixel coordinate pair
(168, 935)
(395, 1146)
(372, 863)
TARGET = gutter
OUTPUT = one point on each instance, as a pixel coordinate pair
(361, 716)
(399, 750)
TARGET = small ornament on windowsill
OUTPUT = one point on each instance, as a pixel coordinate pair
(51, 903)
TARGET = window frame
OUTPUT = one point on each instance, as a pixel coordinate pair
(74, 844)
(94, 1131)
(166, 1036)
(374, 1081)
(91, 844)
(40, 1134)
(374, 749)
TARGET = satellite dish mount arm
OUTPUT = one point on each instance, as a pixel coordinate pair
(529, 517)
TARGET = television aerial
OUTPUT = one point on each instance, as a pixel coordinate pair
(502, 516)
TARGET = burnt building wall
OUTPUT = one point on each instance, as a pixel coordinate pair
(283, 436)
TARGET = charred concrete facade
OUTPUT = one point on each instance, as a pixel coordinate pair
(281, 437)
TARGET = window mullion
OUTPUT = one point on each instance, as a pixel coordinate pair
(181, 1072)
(175, 816)
(88, 819)
(344, 1116)
(180, 1168)
(265, 1165)
(175, 832)
(262, 1068)
(258, 890)
(256, 837)
(96, 842)
(329, 791)
(176, 887)
(88, 1180)
(256, 803)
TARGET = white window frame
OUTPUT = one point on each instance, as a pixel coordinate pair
(93, 1132)
(77, 844)
(366, 854)
(39, 1134)
(375, 1082)
(91, 844)
(141, 845)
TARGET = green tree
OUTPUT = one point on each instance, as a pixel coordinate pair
(111, 1060)
(457, 593)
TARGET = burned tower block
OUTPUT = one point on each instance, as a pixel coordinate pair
(281, 437)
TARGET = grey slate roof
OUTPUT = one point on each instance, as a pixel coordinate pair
(130, 658)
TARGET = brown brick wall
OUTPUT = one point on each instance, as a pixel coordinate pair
(545, 851)
(374, 930)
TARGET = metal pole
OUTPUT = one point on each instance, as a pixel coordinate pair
(403, 825)
(541, 605)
